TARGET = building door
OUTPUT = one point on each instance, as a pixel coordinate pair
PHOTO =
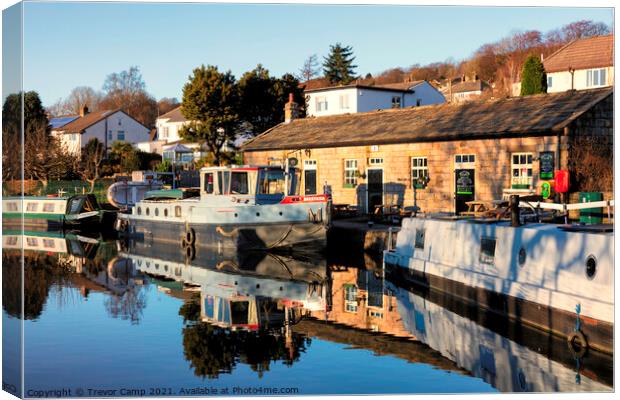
(464, 181)
(310, 177)
(375, 188)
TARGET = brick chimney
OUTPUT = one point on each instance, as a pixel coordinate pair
(83, 110)
(291, 109)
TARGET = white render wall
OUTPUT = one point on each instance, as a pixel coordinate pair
(562, 80)
(364, 100)
(134, 131)
(173, 130)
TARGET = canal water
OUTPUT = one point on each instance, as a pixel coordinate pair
(108, 318)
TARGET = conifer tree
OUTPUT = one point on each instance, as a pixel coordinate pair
(533, 77)
(338, 65)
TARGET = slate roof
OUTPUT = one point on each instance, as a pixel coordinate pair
(594, 52)
(174, 115)
(517, 116)
(80, 124)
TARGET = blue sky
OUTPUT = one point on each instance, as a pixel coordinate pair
(74, 44)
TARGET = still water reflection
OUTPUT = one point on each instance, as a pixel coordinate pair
(104, 315)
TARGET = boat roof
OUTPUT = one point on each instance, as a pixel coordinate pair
(240, 167)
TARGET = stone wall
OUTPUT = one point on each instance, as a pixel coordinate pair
(493, 168)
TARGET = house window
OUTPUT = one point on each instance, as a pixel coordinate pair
(344, 102)
(418, 102)
(350, 173)
(395, 101)
(521, 171)
(321, 103)
(419, 168)
(120, 135)
(164, 132)
(549, 81)
(464, 159)
(350, 298)
(596, 77)
(375, 161)
(110, 135)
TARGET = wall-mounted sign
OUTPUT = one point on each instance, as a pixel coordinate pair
(464, 181)
(374, 148)
(545, 189)
(547, 165)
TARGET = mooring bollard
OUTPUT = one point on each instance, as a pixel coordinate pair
(515, 219)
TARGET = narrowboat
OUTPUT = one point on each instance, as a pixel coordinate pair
(558, 278)
(245, 207)
(56, 212)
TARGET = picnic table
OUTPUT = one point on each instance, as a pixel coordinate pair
(340, 210)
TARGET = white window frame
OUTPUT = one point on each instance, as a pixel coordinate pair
(321, 103)
(596, 77)
(419, 167)
(344, 101)
(375, 161)
(464, 161)
(350, 305)
(524, 167)
(350, 172)
(549, 81)
(118, 136)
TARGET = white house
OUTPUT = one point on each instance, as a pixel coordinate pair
(357, 98)
(168, 127)
(107, 126)
(581, 64)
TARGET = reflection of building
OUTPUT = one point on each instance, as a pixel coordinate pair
(360, 300)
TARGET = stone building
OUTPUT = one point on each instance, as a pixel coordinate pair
(480, 150)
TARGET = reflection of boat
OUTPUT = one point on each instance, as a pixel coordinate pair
(55, 212)
(542, 365)
(50, 242)
(241, 207)
(248, 291)
(555, 277)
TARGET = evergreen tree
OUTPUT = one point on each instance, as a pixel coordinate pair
(338, 65)
(533, 77)
(211, 103)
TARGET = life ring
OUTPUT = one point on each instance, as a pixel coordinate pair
(222, 232)
(577, 344)
(190, 253)
(190, 236)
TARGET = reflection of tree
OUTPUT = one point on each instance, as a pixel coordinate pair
(40, 272)
(128, 306)
(212, 350)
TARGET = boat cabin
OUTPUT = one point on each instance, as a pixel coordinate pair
(241, 312)
(248, 185)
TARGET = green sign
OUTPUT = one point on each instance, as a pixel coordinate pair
(545, 189)
(464, 181)
(547, 165)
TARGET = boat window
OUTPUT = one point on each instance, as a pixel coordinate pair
(271, 182)
(487, 250)
(209, 183)
(12, 206)
(49, 243)
(419, 238)
(239, 310)
(31, 207)
(209, 306)
(165, 212)
(48, 207)
(225, 182)
(32, 241)
(223, 313)
(177, 211)
(239, 183)
(156, 212)
(139, 210)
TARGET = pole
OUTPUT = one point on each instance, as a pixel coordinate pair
(514, 211)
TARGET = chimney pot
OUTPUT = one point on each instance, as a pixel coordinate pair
(83, 110)
(291, 109)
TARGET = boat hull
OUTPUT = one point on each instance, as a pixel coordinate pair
(297, 236)
(535, 274)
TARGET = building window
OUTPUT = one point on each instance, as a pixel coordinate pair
(350, 298)
(120, 135)
(164, 132)
(350, 173)
(321, 103)
(596, 77)
(396, 102)
(549, 81)
(419, 169)
(418, 102)
(110, 135)
(344, 102)
(375, 161)
(465, 158)
(521, 171)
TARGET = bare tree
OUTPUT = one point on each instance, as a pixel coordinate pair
(88, 166)
(44, 157)
(166, 104)
(310, 69)
(126, 90)
(82, 96)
